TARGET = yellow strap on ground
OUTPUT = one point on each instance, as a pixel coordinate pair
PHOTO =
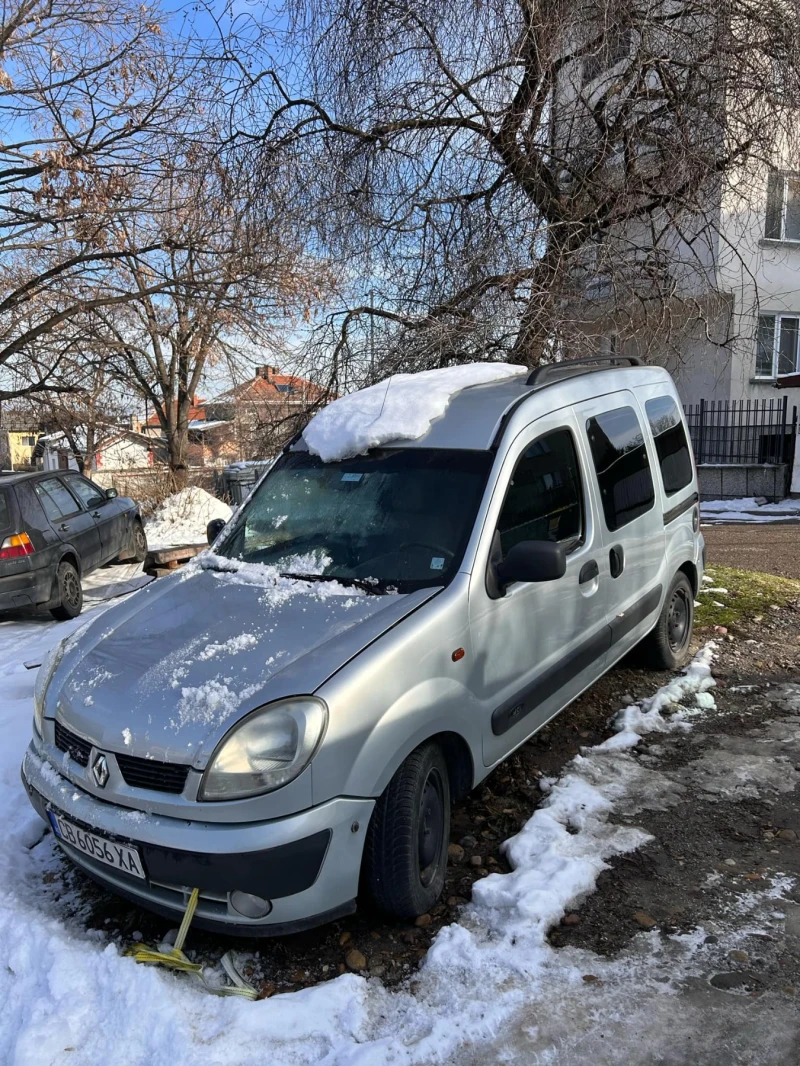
(176, 960)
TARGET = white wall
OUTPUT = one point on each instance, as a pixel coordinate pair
(123, 453)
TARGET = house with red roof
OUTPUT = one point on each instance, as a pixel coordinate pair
(265, 411)
(249, 421)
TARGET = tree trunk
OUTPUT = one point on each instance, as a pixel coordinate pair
(91, 446)
(178, 442)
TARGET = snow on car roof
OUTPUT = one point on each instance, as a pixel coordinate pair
(401, 408)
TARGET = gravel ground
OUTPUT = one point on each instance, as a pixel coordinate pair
(774, 549)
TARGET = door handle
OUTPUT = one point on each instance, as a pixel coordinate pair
(589, 571)
(64, 528)
(616, 560)
(95, 514)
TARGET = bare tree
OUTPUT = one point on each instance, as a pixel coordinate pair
(506, 175)
(90, 94)
(228, 269)
(88, 405)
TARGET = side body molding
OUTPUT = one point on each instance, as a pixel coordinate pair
(523, 703)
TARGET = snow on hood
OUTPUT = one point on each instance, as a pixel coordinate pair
(165, 674)
(400, 408)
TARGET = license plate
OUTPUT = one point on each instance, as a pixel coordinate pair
(120, 856)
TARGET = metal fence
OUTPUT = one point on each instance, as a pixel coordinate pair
(742, 432)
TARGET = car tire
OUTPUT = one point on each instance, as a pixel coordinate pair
(405, 854)
(666, 647)
(70, 593)
(138, 542)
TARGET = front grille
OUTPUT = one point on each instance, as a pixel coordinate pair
(147, 773)
(136, 772)
(76, 747)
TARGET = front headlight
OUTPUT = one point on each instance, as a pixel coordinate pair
(43, 678)
(266, 750)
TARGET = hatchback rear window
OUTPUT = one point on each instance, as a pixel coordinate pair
(623, 469)
(5, 510)
(671, 444)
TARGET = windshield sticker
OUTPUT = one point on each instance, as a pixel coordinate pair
(352, 477)
(437, 562)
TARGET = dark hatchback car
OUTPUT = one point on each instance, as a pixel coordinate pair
(54, 529)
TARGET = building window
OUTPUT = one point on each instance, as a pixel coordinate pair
(777, 345)
(783, 207)
(623, 469)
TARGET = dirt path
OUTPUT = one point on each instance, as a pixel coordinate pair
(774, 549)
(690, 946)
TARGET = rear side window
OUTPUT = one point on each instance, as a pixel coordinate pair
(5, 510)
(672, 447)
(623, 470)
(54, 498)
(544, 498)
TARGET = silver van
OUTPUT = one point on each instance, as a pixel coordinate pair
(285, 723)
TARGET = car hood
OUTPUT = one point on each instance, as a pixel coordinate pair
(166, 673)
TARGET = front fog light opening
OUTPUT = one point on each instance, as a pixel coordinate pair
(249, 905)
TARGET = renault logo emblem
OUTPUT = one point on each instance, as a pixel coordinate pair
(100, 770)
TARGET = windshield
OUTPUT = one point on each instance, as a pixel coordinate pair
(396, 518)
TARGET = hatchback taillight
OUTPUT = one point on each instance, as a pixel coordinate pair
(15, 547)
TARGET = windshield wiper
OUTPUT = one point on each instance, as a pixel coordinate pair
(357, 582)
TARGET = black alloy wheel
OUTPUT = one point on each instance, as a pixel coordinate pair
(70, 593)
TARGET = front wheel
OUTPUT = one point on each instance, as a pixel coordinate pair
(667, 646)
(405, 855)
(70, 593)
(138, 542)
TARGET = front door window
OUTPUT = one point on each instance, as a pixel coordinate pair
(544, 499)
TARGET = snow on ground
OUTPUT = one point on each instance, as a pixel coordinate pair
(67, 996)
(182, 518)
(747, 509)
(400, 408)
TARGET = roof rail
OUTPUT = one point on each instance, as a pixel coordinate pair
(539, 375)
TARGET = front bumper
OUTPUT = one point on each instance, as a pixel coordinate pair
(306, 865)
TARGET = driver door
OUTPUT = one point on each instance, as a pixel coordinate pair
(539, 645)
(105, 514)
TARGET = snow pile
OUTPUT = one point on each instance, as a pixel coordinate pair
(58, 982)
(182, 518)
(400, 408)
(632, 722)
(749, 509)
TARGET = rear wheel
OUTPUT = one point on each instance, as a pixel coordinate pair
(70, 593)
(667, 646)
(405, 855)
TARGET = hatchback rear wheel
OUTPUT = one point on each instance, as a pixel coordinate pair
(70, 593)
(405, 855)
(667, 646)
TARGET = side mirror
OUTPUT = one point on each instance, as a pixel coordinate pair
(111, 494)
(532, 560)
(214, 528)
